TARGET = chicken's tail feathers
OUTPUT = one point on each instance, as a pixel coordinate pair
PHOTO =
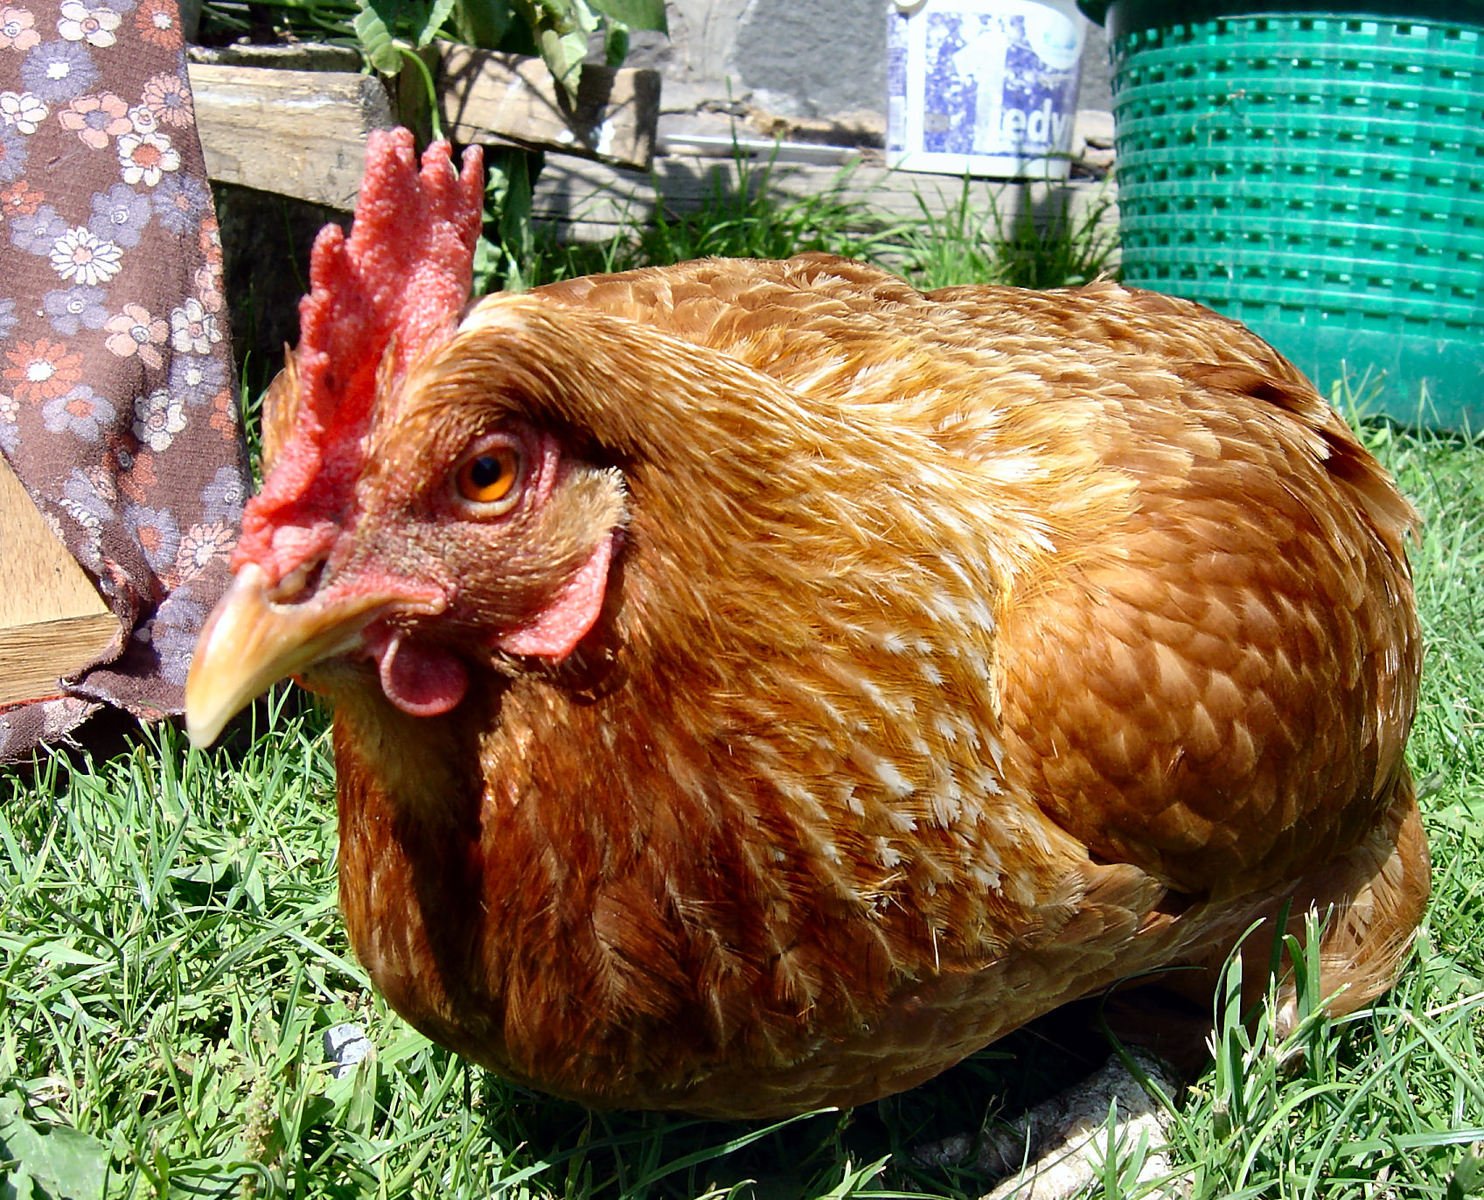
(1376, 898)
(1368, 903)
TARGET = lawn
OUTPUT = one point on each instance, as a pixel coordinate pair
(173, 957)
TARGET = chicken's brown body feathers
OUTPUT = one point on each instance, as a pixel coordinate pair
(964, 654)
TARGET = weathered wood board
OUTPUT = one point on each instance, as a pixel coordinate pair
(484, 94)
(52, 621)
(295, 120)
(299, 133)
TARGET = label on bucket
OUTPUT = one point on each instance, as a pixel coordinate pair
(987, 87)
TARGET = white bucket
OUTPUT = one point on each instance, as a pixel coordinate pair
(983, 87)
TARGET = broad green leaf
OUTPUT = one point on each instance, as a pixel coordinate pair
(561, 13)
(377, 40)
(381, 24)
(634, 14)
(433, 18)
(616, 45)
(483, 23)
(563, 54)
(62, 1163)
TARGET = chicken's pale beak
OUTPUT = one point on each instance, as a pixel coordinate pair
(251, 642)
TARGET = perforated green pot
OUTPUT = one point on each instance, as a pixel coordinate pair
(1317, 174)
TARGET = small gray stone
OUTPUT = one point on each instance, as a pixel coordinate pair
(346, 1045)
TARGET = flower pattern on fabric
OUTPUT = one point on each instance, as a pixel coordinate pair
(146, 156)
(180, 202)
(20, 199)
(40, 370)
(157, 533)
(118, 405)
(10, 434)
(201, 545)
(158, 22)
(80, 412)
(134, 331)
(37, 230)
(97, 119)
(23, 111)
(18, 29)
(171, 634)
(13, 153)
(197, 378)
(80, 255)
(209, 286)
(169, 102)
(120, 215)
(72, 309)
(82, 501)
(80, 23)
(158, 417)
(193, 330)
(225, 495)
(58, 71)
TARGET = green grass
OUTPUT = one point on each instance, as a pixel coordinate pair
(740, 217)
(171, 957)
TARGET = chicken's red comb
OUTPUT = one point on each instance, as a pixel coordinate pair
(402, 277)
(397, 285)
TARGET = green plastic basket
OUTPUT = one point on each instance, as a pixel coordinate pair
(1317, 175)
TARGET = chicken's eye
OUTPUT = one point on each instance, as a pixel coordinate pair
(489, 476)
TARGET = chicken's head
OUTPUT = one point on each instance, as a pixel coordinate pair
(403, 522)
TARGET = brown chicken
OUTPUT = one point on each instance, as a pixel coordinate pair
(758, 685)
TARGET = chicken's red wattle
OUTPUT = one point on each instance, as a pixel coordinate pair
(421, 680)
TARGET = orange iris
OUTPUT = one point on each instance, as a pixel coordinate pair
(488, 477)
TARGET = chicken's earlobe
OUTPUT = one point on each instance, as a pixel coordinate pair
(554, 632)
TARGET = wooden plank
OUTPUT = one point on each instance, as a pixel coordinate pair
(510, 97)
(298, 133)
(52, 621)
(285, 124)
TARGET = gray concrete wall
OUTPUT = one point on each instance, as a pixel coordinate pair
(820, 67)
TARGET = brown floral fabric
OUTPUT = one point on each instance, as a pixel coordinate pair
(117, 396)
